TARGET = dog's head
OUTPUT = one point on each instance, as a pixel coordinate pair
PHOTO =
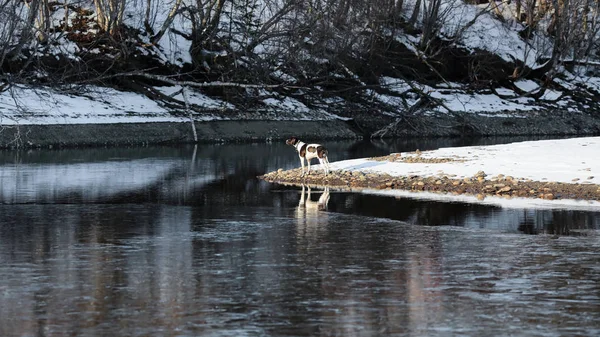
(292, 141)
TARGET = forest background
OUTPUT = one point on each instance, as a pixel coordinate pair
(388, 65)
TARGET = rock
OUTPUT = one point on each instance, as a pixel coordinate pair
(507, 187)
(504, 189)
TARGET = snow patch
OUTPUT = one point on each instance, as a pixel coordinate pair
(573, 160)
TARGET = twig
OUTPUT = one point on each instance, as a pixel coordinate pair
(187, 107)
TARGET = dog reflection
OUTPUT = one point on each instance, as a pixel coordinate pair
(307, 206)
(311, 215)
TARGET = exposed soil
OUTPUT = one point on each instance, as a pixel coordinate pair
(136, 134)
(478, 185)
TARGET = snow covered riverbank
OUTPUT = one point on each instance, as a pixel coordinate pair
(548, 173)
(575, 160)
(41, 117)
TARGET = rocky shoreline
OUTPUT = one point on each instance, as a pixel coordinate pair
(479, 185)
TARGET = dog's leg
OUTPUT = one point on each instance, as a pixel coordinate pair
(325, 163)
(302, 202)
(302, 163)
(308, 162)
(324, 200)
(322, 162)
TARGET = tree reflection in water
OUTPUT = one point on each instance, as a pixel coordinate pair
(182, 241)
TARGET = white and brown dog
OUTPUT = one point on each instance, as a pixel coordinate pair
(309, 152)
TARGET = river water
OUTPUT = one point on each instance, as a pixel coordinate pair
(184, 241)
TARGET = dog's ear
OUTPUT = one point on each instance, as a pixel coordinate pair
(292, 141)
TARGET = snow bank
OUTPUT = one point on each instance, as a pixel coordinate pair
(573, 160)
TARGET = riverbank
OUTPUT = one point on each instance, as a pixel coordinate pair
(153, 131)
(551, 170)
(43, 117)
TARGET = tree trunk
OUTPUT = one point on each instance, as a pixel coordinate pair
(27, 31)
(415, 14)
(147, 24)
(100, 14)
(44, 21)
(495, 7)
(109, 15)
(167, 23)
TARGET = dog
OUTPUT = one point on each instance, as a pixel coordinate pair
(309, 152)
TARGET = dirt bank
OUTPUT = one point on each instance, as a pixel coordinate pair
(362, 125)
(500, 123)
(168, 133)
(478, 185)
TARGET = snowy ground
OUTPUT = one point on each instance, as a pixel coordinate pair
(23, 105)
(574, 160)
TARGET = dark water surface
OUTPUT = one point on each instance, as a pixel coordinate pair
(187, 242)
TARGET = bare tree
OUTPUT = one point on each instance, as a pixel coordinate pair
(167, 23)
(431, 22)
(574, 28)
(10, 14)
(27, 28)
(109, 14)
